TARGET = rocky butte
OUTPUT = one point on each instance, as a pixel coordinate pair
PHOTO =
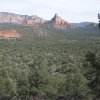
(58, 22)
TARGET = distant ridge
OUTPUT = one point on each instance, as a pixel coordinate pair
(6, 17)
(55, 22)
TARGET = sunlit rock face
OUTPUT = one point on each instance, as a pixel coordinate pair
(58, 22)
(34, 20)
(9, 33)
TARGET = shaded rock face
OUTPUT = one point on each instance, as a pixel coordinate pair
(19, 19)
(9, 34)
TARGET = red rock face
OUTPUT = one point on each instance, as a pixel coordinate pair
(9, 33)
(20, 19)
(59, 22)
(34, 20)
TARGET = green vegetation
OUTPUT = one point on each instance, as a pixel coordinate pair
(45, 63)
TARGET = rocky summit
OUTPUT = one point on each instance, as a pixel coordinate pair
(58, 22)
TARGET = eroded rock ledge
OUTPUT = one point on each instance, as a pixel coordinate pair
(9, 33)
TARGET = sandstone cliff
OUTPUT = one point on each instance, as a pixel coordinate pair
(9, 33)
(20, 19)
(58, 22)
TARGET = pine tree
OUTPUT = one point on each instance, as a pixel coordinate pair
(99, 19)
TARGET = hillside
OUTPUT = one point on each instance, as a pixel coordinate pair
(46, 63)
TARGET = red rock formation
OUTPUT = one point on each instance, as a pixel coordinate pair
(20, 19)
(9, 33)
(34, 20)
(58, 22)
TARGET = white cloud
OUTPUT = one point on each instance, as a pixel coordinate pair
(71, 10)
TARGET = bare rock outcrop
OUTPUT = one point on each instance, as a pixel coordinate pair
(58, 22)
(9, 34)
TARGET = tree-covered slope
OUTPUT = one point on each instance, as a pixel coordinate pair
(46, 63)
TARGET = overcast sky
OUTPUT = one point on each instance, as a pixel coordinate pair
(70, 10)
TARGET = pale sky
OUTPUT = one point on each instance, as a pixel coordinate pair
(70, 10)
